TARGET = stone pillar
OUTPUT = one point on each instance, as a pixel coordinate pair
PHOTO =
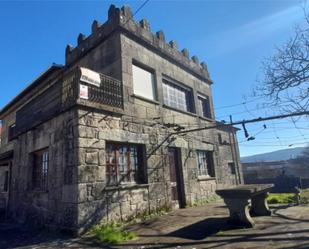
(259, 205)
(239, 212)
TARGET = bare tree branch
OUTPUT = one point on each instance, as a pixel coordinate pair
(286, 73)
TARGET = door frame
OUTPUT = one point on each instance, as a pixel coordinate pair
(179, 176)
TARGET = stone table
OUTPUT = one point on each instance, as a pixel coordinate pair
(239, 198)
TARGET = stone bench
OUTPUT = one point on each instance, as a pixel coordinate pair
(240, 197)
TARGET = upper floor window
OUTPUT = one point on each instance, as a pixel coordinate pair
(11, 132)
(178, 97)
(124, 163)
(40, 170)
(204, 106)
(143, 82)
(205, 163)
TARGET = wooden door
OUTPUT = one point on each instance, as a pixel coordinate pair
(176, 179)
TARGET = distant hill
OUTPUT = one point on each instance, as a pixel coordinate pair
(278, 155)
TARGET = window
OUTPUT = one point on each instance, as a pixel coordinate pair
(204, 106)
(5, 186)
(178, 97)
(232, 168)
(40, 170)
(11, 132)
(124, 163)
(220, 138)
(143, 83)
(205, 163)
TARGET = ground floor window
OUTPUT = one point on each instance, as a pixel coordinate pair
(40, 170)
(232, 168)
(205, 163)
(124, 163)
(6, 181)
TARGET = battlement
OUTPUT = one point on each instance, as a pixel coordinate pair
(121, 19)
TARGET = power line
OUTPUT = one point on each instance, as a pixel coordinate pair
(298, 129)
(233, 105)
(260, 119)
(222, 125)
(138, 9)
(270, 145)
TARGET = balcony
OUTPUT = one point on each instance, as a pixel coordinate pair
(75, 88)
(93, 90)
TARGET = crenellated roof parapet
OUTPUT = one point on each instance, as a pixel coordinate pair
(121, 19)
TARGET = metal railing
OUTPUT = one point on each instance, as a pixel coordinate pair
(108, 93)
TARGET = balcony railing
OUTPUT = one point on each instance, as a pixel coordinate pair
(108, 93)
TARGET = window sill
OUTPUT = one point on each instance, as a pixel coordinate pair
(206, 178)
(178, 110)
(126, 186)
(145, 99)
(207, 119)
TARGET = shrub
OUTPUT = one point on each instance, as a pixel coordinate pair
(112, 234)
(304, 196)
(282, 198)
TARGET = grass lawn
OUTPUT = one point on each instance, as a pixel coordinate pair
(288, 198)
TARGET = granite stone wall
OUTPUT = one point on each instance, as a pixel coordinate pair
(55, 207)
(99, 202)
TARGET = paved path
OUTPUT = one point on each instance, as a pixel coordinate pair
(198, 227)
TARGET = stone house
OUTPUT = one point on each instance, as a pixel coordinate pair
(103, 137)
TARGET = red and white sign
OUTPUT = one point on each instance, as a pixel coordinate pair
(83, 91)
(90, 77)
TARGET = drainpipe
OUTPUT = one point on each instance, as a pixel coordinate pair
(234, 153)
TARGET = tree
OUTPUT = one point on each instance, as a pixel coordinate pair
(286, 73)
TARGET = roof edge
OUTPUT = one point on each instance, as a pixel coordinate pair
(51, 69)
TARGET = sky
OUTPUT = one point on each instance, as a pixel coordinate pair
(232, 37)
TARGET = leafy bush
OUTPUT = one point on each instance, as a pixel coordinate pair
(282, 198)
(304, 196)
(112, 234)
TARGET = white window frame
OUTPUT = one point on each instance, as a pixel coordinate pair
(203, 161)
(178, 97)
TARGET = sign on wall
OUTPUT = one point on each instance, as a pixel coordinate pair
(90, 77)
(83, 91)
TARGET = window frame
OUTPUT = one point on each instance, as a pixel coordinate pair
(232, 168)
(40, 170)
(5, 187)
(189, 101)
(208, 163)
(154, 81)
(114, 150)
(204, 100)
